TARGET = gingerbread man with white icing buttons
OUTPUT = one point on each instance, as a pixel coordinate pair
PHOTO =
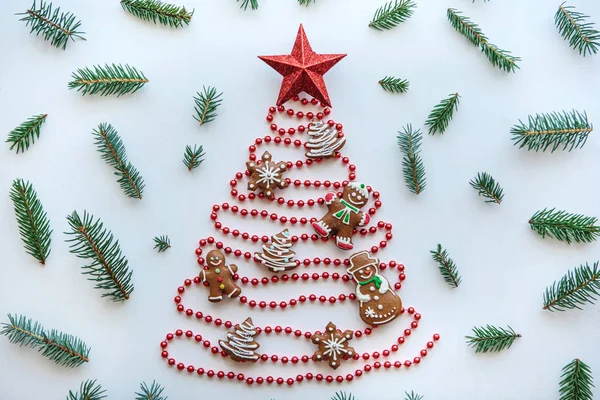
(219, 277)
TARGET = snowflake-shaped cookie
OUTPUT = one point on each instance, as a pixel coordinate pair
(266, 176)
(333, 345)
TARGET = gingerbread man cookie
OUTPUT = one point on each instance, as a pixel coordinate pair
(344, 215)
(266, 176)
(219, 277)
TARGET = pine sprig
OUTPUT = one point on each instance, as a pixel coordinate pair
(53, 25)
(442, 113)
(412, 163)
(245, 3)
(33, 222)
(162, 243)
(392, 14)
(491, 339)
(207, 104)
(152, 392)
(343, 396)
(112, 150)
(89, 390)
(62, 348)
(25, 134)
(564, 226)
(487, 187)
(394, 85)
(580, 34)
(107, 80)
(577, 381)
(155, 10)
(568, 130)
(193, 157)
(576, 288)
(497, 57)
(306, 2)
(108, 267)
(413, 396)
(447, 267)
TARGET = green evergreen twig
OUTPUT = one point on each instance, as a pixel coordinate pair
(487, 187)
(25, 134)
(568, 130)
(207, 104)
(447, 267)
(107, 80)
(89, 390)
(413, 396)
(193, 157)
(62, 348)
(442, 113)
(394, 85)
(497, 57)
(577, 381)
(306, 2)
(343, 396)
(564, 226)
(245, 3)
(392, 14)
(491, 339)
(580, 34)
(108, 266)
(53, 25)
(576, 288)
(112, 150)
(33, 222)
(162, 243)
(412, 163)
(152, 392)
(155, 10)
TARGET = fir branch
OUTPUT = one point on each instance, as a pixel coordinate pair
(487, 187)
(442, 113)
(25, 134)
(392, 14)
(470, 30)
(394, 85)
(413, 396)
(343, 396)
(576, 288)
(155, 10)
(113, 151)
(580, 34)
(154, 392)
(53, 25)
(162, 243)
(569, 130)
(577, 381)
(412, 164)
(89, 390)
(108, 267)
(207, 104)
(447, 267)
(33, 222)
(245, 4)
(107, 80)
(564, 226)
(491, 339)
(306, 2)
(62, 348)
(193, 157)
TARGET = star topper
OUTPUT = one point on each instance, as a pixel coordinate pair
(303, 70)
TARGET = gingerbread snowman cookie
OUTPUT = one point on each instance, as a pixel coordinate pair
(219, 277)
(344, 215)
(378, 303)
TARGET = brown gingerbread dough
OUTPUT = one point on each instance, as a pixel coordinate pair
(219, 277)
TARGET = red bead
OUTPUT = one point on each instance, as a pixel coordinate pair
(436, 336)
(164, 344)
(164, 354)
(329, 379)
(280, 381)
(423, 353)
(290, 381)
(180, 366)
(407, 332)
(171, 361)
(429, 345)
(407, 363)
(414, 324)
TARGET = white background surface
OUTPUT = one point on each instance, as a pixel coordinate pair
(505, 266)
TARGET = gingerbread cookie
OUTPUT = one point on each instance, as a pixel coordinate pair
(277, 256)
(378, 304)
(266, 176)
(219, 277)
(344, 215)
(324, 140)
(333, 345)
(240, 345)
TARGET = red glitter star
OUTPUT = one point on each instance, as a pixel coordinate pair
(303, 70)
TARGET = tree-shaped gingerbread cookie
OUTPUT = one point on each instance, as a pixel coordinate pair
(219, 277)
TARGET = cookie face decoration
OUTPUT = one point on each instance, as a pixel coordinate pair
(240, 345)
(219, 277)
(344, 215)
(333, 346)
(266, 176)
(378, 304)
(277, 256)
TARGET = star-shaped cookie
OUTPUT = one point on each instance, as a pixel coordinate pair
(333, 345)
(267, 175)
